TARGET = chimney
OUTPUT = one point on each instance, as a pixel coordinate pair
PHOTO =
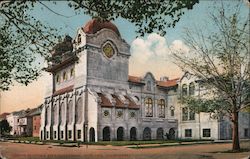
(164, 78)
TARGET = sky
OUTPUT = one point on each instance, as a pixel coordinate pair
(149, 53)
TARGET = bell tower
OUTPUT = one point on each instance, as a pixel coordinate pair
(107, 54)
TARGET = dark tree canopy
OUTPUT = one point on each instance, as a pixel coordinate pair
(24, 38)
(221, 60)
(147, 15)
(4, 127)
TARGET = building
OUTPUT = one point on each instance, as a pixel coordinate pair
(36, 121)
(29, 122)
(13, 119)
(93, 98)
(202, 125)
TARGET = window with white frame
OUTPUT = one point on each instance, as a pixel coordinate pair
(149, 107)
(161, 108)
(191, 89)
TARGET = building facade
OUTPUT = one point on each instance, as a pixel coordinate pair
(93, 98)
(202, 125)
(29, 122)
(13, 119)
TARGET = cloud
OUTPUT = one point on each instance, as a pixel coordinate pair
(154, 54)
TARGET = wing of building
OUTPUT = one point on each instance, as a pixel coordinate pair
(93, 98)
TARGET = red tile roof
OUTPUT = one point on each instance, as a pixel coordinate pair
(132, 104)
(169, 83)
(119, 103)
(134, 79)
(104, 100)
(96, 25)
(64, 90)
(3, 115)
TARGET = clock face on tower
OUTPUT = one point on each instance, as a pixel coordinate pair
(108, 50)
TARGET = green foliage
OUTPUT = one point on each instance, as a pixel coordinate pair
(221, 60)
(148, 16)
(23, 39)
(5, 128)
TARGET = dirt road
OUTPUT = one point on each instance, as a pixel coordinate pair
(204, 151)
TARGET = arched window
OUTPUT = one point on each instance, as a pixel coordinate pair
(172, 111)
(120, 134)
(79, 38)
(149, 107)
(184, 114)
(159, 133)
(92, 134)
(149, 85)
(133, 134)
(72, 72)
(191, 88)
(184, 90)
(65, 77)
(161, 108)
(147, 134)
(58, 79)
(106, 134)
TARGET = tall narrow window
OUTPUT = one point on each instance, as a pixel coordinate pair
(191, 88)
(149, 85)
(58, 80)
(191, 115)
(172, 111)
(184, 90)
(184, 114)
(79, 39)
(149, 107)
(72, 72)
(161, 108)
(65, 77)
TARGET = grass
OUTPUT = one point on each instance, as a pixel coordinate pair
(113, 143)
(126, 143)
(30, 139)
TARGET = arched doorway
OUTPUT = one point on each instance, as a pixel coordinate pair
(92, 135)
(106, 134)
(171, 134)
(147, 134)
(133, 134)
(120, 134)
(159, 134)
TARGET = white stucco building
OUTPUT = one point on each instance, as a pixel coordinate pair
(203, 126)
(93, 98)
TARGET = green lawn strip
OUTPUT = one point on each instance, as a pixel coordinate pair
(170, 144)
(127, 143)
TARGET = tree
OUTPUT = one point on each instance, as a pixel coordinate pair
(221, 60)
(22, 40)
(4, 127)
(23, 37)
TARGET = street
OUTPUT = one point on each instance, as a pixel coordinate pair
(203, 151)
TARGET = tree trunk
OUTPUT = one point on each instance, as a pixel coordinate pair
(235, 137)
